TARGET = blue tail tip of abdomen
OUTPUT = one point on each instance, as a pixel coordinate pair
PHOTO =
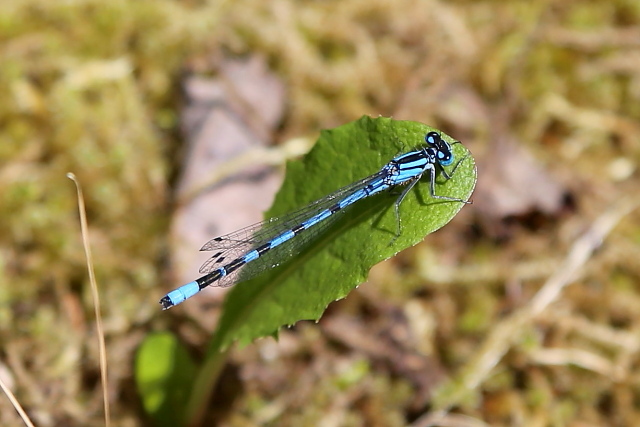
(179, 295)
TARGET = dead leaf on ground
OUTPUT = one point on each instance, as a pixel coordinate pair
(224, 117)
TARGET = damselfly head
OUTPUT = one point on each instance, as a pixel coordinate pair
(441, 147)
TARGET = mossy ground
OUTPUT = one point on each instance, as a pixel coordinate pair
(94, 88)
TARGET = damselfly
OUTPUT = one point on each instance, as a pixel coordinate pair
(245, 253)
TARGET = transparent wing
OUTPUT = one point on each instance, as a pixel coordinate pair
(235, 245)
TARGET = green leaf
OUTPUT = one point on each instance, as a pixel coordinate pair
(340, 258)
(164, 377)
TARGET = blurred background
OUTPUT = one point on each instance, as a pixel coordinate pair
(150, 103)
